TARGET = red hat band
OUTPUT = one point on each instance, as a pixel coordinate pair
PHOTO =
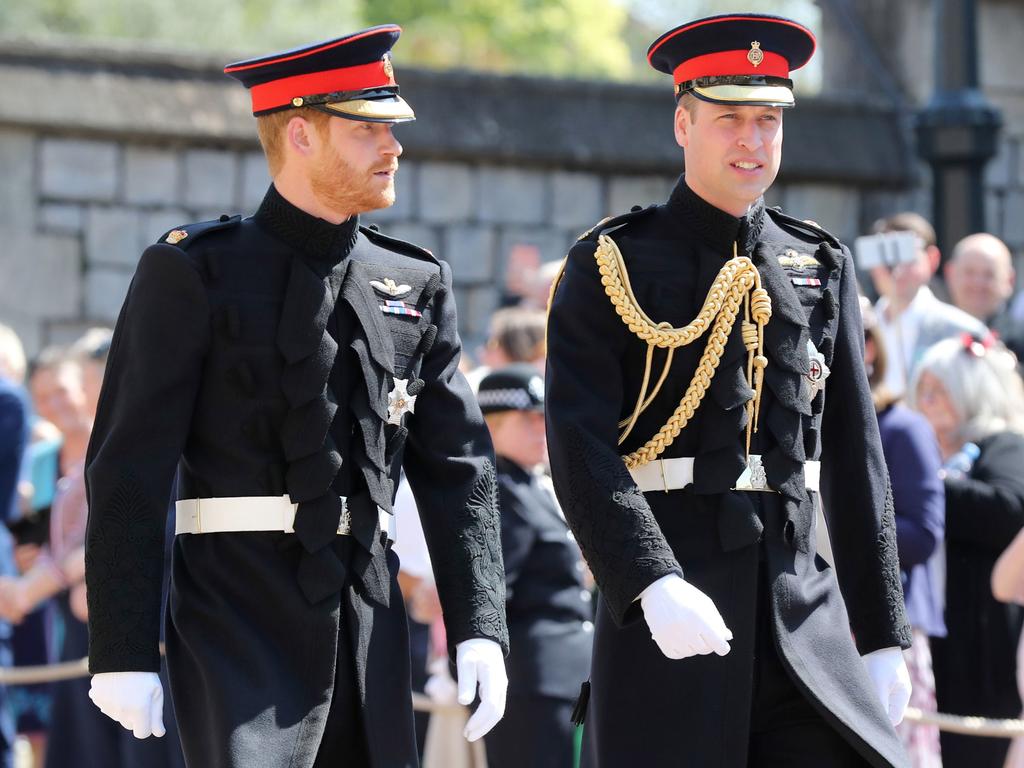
(725, 63)
(278, 93)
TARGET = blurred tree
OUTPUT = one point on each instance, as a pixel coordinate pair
(214, 25)
(581, 38)
(566, 38)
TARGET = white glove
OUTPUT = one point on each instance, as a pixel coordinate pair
(888, 673)
(134, 699)
(683, 620)
(481, 660)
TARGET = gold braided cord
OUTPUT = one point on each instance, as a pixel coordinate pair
(738, 281)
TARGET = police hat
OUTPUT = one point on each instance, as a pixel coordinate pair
(349, 77)
(734, 58)
(516, 387)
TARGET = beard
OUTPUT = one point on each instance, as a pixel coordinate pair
(345, 189)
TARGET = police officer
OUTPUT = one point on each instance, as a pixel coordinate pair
(705, 384)
(289, 364)
(548, 603)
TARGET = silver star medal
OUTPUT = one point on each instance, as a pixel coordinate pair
(817, 371)
(400, 401)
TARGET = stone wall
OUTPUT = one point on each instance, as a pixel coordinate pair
(104, 150)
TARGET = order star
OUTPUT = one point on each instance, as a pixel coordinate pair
(400, 401)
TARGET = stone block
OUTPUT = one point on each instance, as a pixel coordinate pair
(151, 176)
(470, 249)
(155, 223)
(18, 189)
(446, 192)
(577, 200)
(29, 330)
(79, 169)
(42, 275)
(994, 212)
(66, 332)
(1013, 221)
(834, 208)
(405, 196)
(476, 305)
(512, 195)
(61, 218)
(210, 179)
(105, 289)
(255, 181)
(422, 235)
(1001, 170)
(626, 191)
(112, 236)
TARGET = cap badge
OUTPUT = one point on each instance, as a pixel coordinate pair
(175, 236)
(388, 69)
(817, 371)
(400, 401)
(390, 288)
(755, 55)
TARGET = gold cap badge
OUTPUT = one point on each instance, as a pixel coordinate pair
(755, 55)
(388, 69)
(175, 236)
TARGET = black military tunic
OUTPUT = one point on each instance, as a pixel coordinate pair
(550, 625)
(698, 711)
(257, 357)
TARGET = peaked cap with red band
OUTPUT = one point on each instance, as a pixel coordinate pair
(349, 77)
(735, 58)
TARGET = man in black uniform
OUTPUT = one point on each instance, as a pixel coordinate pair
(705, 380)
(289, 365)
(549, 605)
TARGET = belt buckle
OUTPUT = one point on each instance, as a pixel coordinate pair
(753, 477)
(345, 521)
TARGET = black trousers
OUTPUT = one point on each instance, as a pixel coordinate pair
(344, 741)
(536, 731)
(785, 730)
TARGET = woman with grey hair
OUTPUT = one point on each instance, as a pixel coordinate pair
(968, 389)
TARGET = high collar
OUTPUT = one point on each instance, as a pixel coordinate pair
(315, 238)
(716, 227)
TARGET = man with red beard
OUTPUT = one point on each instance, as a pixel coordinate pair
(289, 365)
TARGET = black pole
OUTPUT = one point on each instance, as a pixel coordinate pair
(958, 130)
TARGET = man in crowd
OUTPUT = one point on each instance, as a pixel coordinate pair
(910, 317)
(722, 636)
(980, 279)
(293, 362)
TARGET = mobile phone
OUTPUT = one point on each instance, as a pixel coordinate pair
(889, 249)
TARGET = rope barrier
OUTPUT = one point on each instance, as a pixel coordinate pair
(74, 670)
(964, 724)
(968, 725)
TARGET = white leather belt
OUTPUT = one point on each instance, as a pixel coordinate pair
(673, 474)
(239, 514)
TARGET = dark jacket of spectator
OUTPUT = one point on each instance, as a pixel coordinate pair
(975, 665)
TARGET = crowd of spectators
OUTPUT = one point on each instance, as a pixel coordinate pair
(950, 404)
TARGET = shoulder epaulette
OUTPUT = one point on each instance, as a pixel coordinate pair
(614, 222)
(183, 237)
(803, 226)
(394, 244)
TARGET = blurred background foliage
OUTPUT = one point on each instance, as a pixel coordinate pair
(603, 39)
